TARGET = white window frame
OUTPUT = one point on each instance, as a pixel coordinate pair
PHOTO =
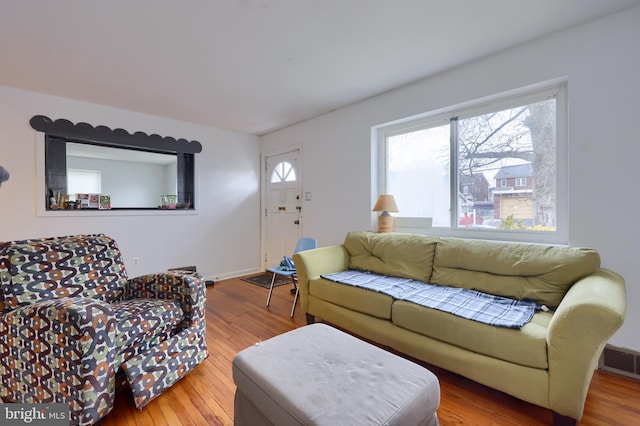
(521, 181)
(529, 94)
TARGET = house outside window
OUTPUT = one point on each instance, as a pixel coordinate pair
(515, 202)
(517, 144)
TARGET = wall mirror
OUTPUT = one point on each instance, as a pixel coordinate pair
(136, 171)
(133, 179)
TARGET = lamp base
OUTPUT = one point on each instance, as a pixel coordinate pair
(385, 223)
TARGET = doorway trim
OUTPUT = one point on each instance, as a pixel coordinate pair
(263, 197)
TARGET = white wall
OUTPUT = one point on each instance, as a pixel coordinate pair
(601, 61)
(222, 239)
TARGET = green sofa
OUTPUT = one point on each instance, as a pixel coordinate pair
(548, 362)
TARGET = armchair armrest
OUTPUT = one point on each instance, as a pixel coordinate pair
(591, 311)
(60, 350)
(311, 264)
(186, 286)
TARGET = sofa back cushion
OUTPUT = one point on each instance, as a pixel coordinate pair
(50, 268)
(393, 254)
(522, 271)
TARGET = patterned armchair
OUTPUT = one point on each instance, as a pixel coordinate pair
(70, 320)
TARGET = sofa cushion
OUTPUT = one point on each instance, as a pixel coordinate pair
(526, 346)
(394, 254)
(75, 266)
(522, 271)
(354, 298)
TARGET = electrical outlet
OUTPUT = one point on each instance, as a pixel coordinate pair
(136, 261)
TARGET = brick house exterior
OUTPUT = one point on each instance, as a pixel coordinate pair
(475, 186)
(513, 194)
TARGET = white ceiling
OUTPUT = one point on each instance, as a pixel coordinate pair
(258, 65)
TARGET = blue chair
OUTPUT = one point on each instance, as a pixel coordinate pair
(303, 244)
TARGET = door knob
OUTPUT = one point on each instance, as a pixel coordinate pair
(297, 222)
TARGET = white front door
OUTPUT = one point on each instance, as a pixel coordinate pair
(283, 206)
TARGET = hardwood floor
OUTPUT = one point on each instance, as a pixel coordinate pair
(237, 318)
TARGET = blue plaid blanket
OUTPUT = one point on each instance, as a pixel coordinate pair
(474, 305)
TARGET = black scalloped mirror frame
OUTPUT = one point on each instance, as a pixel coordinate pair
(103, 135)
(58, 132)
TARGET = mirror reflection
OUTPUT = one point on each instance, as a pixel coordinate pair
(132, 178)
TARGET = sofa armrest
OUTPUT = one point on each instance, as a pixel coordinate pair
(591, 311)
(63, 348)
(311, 264)
(186, 286)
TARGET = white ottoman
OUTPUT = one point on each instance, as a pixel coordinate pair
(317, 375)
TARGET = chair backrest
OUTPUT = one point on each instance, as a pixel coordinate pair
(305, 243)
(51, 268)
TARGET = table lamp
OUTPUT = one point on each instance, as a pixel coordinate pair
(385, 204)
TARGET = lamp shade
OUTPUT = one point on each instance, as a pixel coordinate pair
(385, 203)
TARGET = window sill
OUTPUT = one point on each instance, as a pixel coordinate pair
(117, 212)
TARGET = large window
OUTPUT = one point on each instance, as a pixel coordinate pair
(495, 166)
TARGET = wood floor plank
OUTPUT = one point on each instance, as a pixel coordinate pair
(237, 318)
